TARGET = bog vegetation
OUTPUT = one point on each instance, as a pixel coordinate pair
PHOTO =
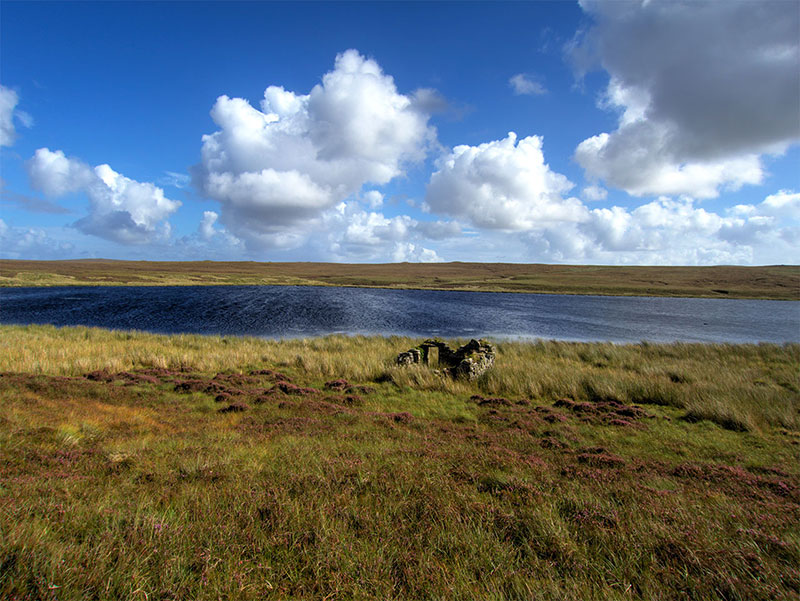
(780, 282)
(143, 466)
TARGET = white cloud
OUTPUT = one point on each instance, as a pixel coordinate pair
(673, 232)
(783, 204)
(206, 227)
(31, 243)
(593, 193)
(429, 101)
(122, 209)
(8, 101)
(349, 233)
(25, 119)
(503, 184)
(709, 88)
(176, 180)
(411, 253)
(635, 158)
(373, 228)
(283, 166)
(438, 230)
(56, 175)
(210, 241)
(521, 209)
(373, 198)
(522, 84)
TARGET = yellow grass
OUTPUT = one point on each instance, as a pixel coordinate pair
(780, 282)
(747, 385)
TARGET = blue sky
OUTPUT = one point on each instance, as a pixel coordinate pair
(643, 133)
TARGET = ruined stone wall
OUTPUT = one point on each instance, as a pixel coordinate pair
(468, 361)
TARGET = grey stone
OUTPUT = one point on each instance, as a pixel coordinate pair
(469, 361)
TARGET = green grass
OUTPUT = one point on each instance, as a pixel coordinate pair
(779, 282)
(569, 471)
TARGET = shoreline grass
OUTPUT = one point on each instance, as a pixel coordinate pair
(135, 465)
(777, 282)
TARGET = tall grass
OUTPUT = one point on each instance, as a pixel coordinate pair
(135, 490)
(739, 386)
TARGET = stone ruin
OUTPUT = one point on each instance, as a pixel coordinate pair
(468, 361)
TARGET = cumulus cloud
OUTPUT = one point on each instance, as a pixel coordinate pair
(122, 209)
(349, 233)
(373, 198)
(56, 175)
(31, 242)
(523, 84)
(206, 228)
(439, 230)
(429, 101)
(593, 193)
(8, 100)
(506, 190)
(671, 231)
(503, 184)
(782, 204)
(8, 112)
(210, 241)
(283, 166)
(709, 88)
(413, 253)
(637, 159)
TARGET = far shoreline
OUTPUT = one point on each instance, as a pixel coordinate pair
(776, 282)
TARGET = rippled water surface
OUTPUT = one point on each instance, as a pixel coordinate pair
(293, 311)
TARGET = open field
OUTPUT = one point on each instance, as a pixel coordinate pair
(780, 282)
(137, 466)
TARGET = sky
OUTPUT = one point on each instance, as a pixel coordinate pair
(591, 132)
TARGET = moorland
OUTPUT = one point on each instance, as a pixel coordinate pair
(779, 282)
(138, 466)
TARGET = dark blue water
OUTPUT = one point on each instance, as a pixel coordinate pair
(299, 311)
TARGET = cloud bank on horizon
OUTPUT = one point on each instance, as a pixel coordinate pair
(709, 97)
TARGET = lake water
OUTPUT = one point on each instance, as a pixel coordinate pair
(299, 311)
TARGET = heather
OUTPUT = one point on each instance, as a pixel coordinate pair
(141, 466)
(779, 282)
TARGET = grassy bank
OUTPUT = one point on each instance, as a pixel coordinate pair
(143, 466)
(772, 282)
